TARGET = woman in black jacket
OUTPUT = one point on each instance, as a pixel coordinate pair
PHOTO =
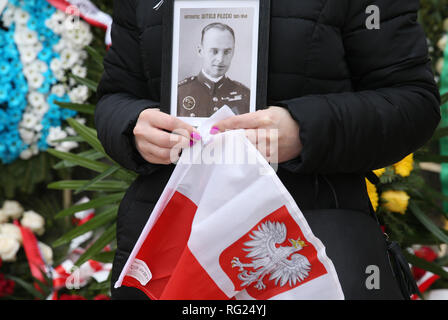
(345, 99)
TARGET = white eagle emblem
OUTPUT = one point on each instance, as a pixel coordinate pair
(267, 258)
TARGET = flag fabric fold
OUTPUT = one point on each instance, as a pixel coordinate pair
(228, 230)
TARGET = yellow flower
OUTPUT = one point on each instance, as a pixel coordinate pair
(395, 201)
(405, 166)
(373, 194)
(379, 172)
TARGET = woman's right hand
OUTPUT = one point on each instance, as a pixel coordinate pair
(160, 137)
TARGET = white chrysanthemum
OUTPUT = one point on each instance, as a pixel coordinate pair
(11, 230)
(55, 133)
(29, 120)
(55, 64)
(60, 75)
(36, 81)
(79, 94)
(28, 136)
(26, 154)
(36, 98)
(27, 54)
(21, 17)
(79, 71)
(58, 90)
(40, 110)
(68, 58)
(66, 146)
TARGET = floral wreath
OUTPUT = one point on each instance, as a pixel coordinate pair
(39, 47)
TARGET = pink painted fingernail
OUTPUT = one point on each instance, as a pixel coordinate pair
(214, 130)
(195, 136)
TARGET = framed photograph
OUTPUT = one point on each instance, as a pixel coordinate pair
(214, 54)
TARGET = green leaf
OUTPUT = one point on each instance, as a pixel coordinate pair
(95, 55)
(71, 138)
(424, 220)
(91, 154)
(105, 257)
(444, 98)
(80, 107)
(109, 185)
(92, 204)
(107, 237)
(100, 177)
(92, 85)
(88, 134)
(81, 161)
(425, 265)
(94, 223)
(27, 286)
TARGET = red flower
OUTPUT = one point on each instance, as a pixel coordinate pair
(101, 297)
(6, 286)
(71, 297)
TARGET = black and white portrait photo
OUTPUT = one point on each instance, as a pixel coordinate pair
(214, 58)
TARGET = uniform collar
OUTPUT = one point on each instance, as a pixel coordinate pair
(204, 79)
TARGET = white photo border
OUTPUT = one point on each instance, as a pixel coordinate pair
(193, 4)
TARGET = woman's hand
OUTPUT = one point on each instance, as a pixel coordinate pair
(273, 131)
(159, 137)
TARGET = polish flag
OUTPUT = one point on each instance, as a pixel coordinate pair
(229, 231)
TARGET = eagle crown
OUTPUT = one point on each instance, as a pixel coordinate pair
(298, 244)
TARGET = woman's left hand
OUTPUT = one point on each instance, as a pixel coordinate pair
(273, 131)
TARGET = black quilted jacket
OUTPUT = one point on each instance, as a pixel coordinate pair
(363, 98)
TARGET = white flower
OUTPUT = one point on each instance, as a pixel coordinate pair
(8, 248)
(34, 221)
(12, 209)
(36, 98)
(11, 230)
(55, 133)
(21, 17)
(3, 216)
(26, 154)
(46, 252)
(58, 90)
(29, 120)
(66, 146)
(68, 58)
(55, 64)
(27, 55)
(40, 110)
(79, 94)
(442, 42)
(79, 71)
(36, 81)
(60, 75)
(28, 136)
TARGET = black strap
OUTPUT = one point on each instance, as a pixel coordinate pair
(399, 264)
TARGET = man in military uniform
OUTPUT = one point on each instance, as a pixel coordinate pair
(204, 94)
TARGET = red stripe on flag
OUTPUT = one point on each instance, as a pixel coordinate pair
(190, 281)
(165, 244)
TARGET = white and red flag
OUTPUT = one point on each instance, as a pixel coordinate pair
(228, 230)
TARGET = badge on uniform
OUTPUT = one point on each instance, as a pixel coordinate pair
(188, 103)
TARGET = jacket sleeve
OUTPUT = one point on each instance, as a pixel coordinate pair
(394, 108)
(123, 91)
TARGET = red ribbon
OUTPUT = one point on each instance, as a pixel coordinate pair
(32, 252)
